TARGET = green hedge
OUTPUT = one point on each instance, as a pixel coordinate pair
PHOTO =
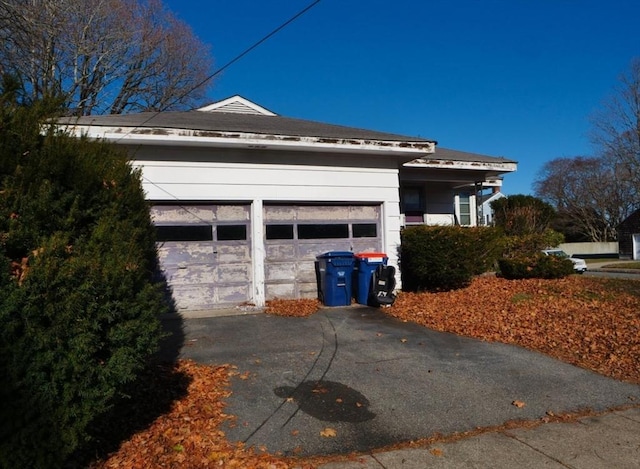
(436, 258)
(79, 310)
(535, 266)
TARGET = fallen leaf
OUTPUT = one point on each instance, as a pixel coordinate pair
(328, 433)
(518, 404)
(436, 452)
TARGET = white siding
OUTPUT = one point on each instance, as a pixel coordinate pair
(167, 177)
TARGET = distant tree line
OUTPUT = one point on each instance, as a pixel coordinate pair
(593, 194)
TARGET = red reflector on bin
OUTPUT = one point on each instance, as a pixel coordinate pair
(372, 256)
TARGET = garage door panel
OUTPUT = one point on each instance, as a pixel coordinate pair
(231, 213)
(370, 245)
(280, 290)
(172, 214)
(311, 212)
(279, 213)
(308, 290)
(189, 253)
(232, 294)
(233, 254)
(233, 273)
(312, 250)
(364, 212)
(290, 263)
(193, 274)
(306, 273)
(279, 271)
(275, 252)
(206, 269)
(193, 297)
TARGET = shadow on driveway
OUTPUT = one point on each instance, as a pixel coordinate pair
(352, 379)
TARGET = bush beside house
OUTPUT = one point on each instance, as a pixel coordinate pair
(439, 258)
(79, 309)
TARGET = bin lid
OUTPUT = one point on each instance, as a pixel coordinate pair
(370, 255)
(332, 254)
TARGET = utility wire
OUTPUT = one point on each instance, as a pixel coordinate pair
(249, 49)
(211, 77)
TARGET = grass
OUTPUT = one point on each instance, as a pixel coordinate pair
(613, 263)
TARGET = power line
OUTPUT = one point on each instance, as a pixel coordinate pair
(249, 49)
(211, 77)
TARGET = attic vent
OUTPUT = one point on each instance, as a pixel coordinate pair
(236, 108)
(237, 105)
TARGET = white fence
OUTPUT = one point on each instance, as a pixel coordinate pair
(591, 249)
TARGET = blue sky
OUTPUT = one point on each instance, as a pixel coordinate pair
(512, 78)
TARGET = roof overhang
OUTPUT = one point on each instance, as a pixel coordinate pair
(498, 166)
(161, 136)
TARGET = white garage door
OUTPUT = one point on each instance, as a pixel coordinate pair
(205, 253)
(296, 234)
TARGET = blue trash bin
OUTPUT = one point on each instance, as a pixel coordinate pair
(366, 264)
(334, 270)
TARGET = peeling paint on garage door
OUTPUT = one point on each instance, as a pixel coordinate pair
(205, 253)
(296, 234)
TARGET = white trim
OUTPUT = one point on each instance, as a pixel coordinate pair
(191, 138)
(258, 252)
(468, 165)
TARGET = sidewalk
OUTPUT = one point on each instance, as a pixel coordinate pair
(611, 440)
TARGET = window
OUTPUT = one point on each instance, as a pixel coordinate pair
(465, 208)
(231, 232)
(412, 199)
(323, 231)
(365, 230)
(279, 232)
(184, 233)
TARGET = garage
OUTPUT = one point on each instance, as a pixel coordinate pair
(296, 234)
(205, 253)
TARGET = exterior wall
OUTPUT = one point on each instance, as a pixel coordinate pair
(487, 212)
(198, 175)
(627, 232)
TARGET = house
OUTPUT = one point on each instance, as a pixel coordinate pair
(485, 215)
(446, 188)
(244, 200)
(629, 237)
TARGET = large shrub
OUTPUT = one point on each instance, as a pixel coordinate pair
(79, 311)
(437, 258)
(535, 266)
(523, 257)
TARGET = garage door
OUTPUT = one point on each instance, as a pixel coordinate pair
(205, 253)
(296, 234)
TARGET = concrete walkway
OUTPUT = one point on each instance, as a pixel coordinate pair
(610, 440)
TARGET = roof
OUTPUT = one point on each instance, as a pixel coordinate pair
(237, 114)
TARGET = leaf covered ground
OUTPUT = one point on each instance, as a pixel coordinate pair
(592, 323)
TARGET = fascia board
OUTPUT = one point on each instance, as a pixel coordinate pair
(179, 137)
(463, 165)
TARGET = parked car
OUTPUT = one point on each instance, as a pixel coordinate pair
(579, 265)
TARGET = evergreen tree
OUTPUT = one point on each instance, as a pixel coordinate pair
(79, 309)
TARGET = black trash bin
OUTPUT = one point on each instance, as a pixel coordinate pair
(335, 271)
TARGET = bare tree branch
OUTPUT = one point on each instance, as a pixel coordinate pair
(105, 56)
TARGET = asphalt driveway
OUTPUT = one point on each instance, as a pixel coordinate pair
(352, 379)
